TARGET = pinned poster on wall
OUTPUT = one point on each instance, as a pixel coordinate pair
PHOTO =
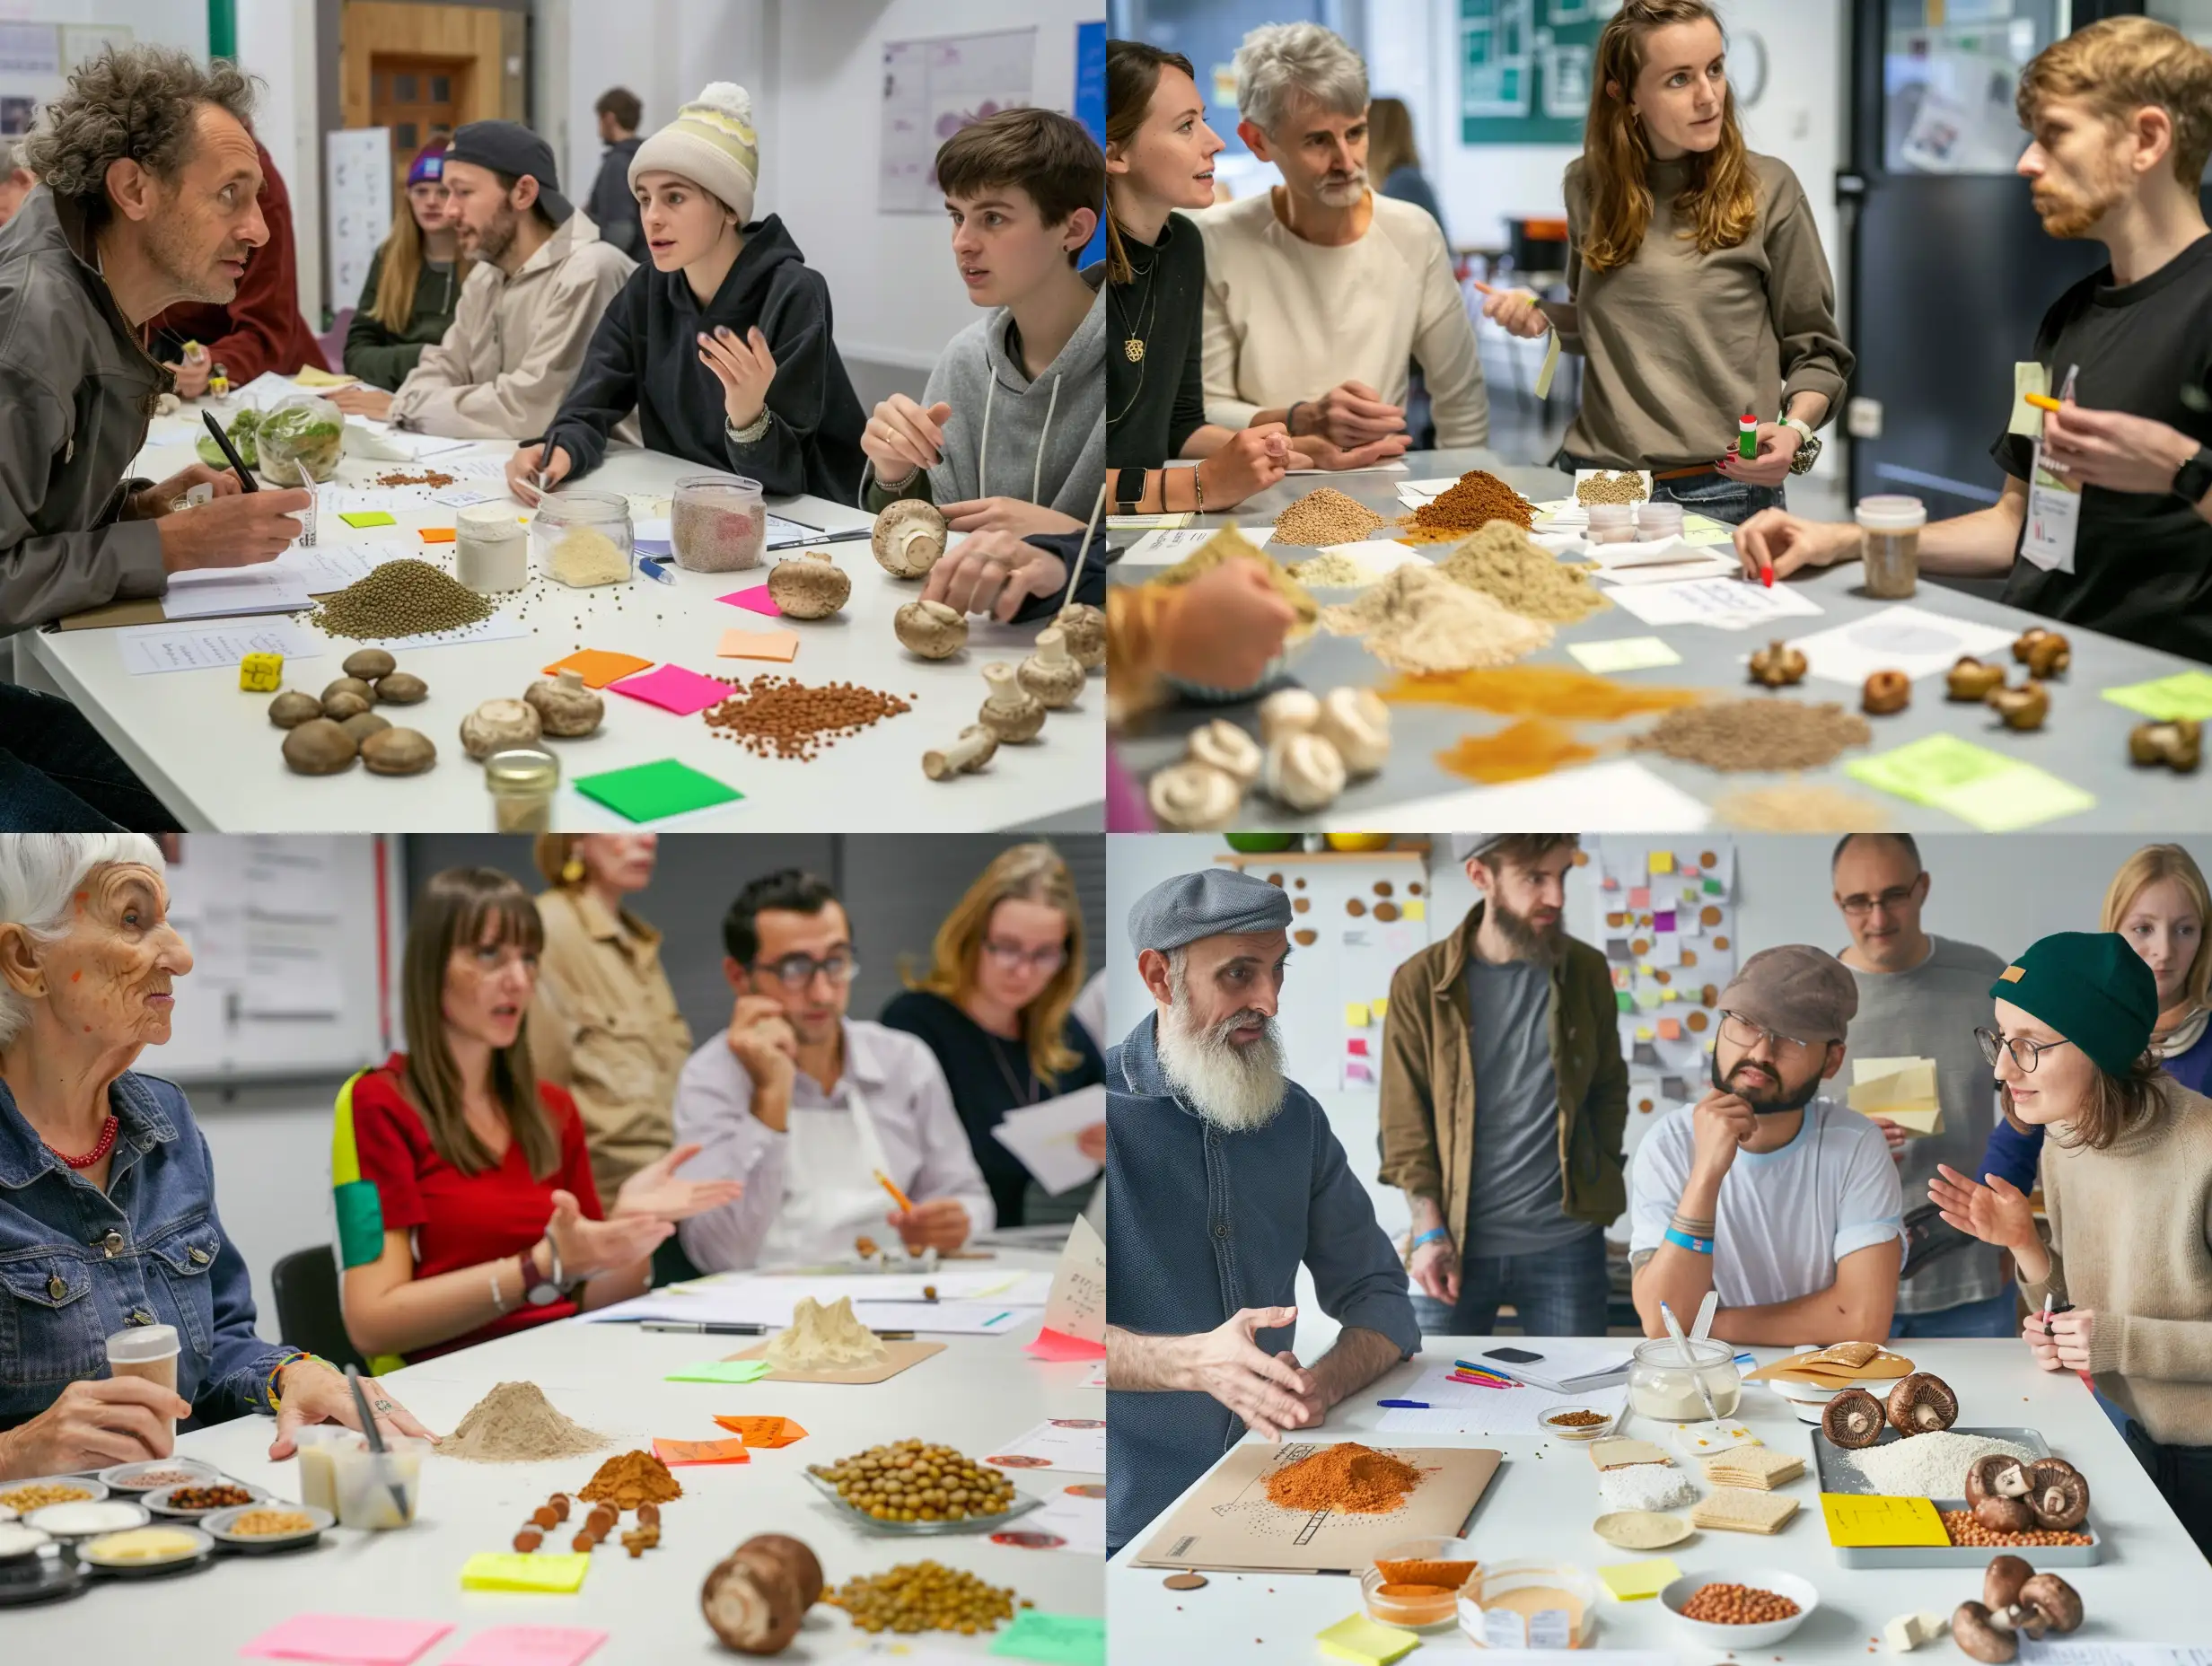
(931, 88)
(357, 199)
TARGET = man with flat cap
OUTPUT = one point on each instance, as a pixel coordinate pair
(1225, 1178)
(1783, 1200)
(541, 282)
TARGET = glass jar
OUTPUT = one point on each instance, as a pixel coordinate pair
(522, 782)
(1416, 1607)
(365, 1482)
(302, 431)
(583, 538)
(1612, 523)
(1888, 530)
(718, 524)
(1655, 521)
(1662, 1388)
(1530, 1605)
(491, 551)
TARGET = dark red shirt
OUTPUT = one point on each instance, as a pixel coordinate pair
(261, 328)
(465, 1220)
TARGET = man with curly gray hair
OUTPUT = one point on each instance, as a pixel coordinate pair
(1321, 292)
(148, 181)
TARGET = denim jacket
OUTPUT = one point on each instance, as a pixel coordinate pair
(76, 1265)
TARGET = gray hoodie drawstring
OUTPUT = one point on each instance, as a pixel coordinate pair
(1044, 438)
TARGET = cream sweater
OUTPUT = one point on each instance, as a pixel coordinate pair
(2131, 1241)
(1287, 320)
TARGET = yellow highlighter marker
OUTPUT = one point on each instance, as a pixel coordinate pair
(896, 1196)
(2044, 402)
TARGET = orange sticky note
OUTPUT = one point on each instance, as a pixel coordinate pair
(764, 1434)
(598, 668)
(437, 534)
(759, 645)
(674, 1452)
(1669, 1031)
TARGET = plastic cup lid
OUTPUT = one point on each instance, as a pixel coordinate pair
(1892, 512)
(141, 1344)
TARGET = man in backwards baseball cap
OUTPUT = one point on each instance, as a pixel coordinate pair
(1779, 1198)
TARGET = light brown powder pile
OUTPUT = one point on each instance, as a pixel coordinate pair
(1756, 735)
(516, 1424)
(1524, 579)
(629, 1479)
(1345, 1476)
(1419, 622)
(1797, 808)
(1325, 517)
(1230, 545)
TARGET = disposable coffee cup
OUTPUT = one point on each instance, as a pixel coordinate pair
(148, 1352)
(1890, 545)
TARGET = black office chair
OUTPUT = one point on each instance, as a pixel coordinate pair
(307, 1306)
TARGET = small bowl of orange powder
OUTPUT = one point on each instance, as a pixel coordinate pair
(1416, 1583)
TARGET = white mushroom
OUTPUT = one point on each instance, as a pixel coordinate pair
(1085, 626)
(1287, 711)
(497, 725)
(964, 757)
(813, 587)
(1051, 673)
(1009, 711)
(1192, 797)
(931, 629)
(1305, 772)
(908, 537)
(566, 706)
(1223, 746)
(1356, 722)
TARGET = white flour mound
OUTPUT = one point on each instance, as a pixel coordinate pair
(1646, 1486)
(1928, 1466)
(824, 1339)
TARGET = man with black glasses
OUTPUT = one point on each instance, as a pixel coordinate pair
(807, 1106)
(1919, 997)
(1783, 1200)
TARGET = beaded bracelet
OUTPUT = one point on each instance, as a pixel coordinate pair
(268, 1388)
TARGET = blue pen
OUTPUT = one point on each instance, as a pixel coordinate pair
(652, 568)
(1480, 1371)
(1406, 1405)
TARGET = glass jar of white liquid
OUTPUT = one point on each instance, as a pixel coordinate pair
(1662, 1387)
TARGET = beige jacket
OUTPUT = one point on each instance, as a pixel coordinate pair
(516, 343)
(605, 1026)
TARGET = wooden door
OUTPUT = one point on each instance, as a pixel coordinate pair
(419, 68)
(418, 99)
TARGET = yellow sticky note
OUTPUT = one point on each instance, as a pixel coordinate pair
(1638, 1581)
(2028, 377)
(502, 1570)
(1859, 1520)
(1364, 1643)
(1550, 367)
(1381, 1008)
(1662, 862)
(1416, 909)
(1355, 1015)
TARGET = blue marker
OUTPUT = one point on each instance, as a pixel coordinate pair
(652, 568)
(1406, 1405)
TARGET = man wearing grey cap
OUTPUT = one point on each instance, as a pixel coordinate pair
(1225, 1178)
(1784, 1201)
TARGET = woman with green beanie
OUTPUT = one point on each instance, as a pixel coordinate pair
(2128, 1195)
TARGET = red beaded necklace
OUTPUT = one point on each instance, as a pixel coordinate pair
(106, 1144)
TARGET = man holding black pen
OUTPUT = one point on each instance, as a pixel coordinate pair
(149, 179)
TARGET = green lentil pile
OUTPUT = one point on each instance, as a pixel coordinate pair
(925, 1596)
(403, 598)
(915, 1482)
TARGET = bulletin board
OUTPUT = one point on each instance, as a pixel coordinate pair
(931, 88)
(1524, 69)
(36, 58)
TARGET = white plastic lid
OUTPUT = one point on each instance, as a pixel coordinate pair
(1891, 514)
(142, 1344)
(1611, 514)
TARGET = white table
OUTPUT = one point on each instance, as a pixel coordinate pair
(2150, 1587)
(210, 753)
(980, 1392)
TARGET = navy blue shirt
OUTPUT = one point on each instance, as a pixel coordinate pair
(2015, 1153)
(1191, 1200)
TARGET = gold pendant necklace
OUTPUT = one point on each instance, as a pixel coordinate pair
(1133, 349)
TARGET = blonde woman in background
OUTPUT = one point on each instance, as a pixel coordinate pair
(413, 287)
(996, 1007)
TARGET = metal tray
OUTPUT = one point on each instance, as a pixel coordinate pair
(1022, 1505)
(1837, 1476)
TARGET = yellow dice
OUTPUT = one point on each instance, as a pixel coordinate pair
(260, 673)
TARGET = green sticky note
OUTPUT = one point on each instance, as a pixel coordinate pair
(1705, 529)
(2028, 377)
(1637, 1582)
(1074, 1639)
(500, 1570)
(360, 1222)
(368, 517)
(1984, 789)
(1713, 888)
(647, 792)
(2185, 693)
(722, 1370)
(1627, 654)
(1626, 1002)
(1365, 1642)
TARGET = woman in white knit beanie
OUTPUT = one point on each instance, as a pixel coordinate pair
(722, 343)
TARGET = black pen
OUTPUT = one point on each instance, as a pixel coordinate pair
(246, 482)
(847, 536)
(702, 1326)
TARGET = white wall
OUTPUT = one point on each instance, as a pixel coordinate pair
(271, 1147)
(276, 42)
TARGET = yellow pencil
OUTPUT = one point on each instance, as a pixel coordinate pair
(896, 1196)
(2044, 402)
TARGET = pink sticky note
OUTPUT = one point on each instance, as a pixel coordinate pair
(757, 599)
(1358, 1045)
(349, 1639)
(527, 1645)
(1058, 1345)
(675, 689)
(1639, 897)
(1669, 1031)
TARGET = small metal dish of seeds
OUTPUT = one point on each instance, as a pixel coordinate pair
(190, 1503)
(276, 1525)
(914, 1487)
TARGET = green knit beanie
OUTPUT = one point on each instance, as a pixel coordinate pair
(2093, 989)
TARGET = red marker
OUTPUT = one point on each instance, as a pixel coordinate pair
(1766, 571)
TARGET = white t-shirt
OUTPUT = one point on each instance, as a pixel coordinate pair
(1786, 1216)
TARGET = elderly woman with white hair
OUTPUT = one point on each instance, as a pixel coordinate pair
(1321, 292)
(107, 1217)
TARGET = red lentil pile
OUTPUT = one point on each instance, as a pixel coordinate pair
(776, 716)
(1965, 1531)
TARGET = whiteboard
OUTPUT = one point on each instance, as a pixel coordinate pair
(295, 943)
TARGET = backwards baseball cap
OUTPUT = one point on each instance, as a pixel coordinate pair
(509, 147)
(2093, 989)
(1796, 991)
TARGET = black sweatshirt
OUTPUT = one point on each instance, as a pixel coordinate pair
(1155, 403)
(644, 355)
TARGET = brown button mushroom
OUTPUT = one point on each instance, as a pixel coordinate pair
(2001, 1582)
(343, 704)
(2047, 1603)
(1886, 692)
(319, 747)
(1979, 1636)
(964, 757)
(1777, 665)
(497, 725)
(398, 752)
(369, 664)
(908, 537)
(1997, 1490)
(292, 707)
(813, 587)
(1010, 711)
(1922, 1404)
(2045, 653)
(1192, 797)
(931, 629)
(1085, 626)
(401, 688)
(754, 1600)
(2024, 708)
(566, 706)
(1853, 1419)
(2057, 1494)
(2179, 745)
(1051, 674)
(361, 725)
(1971, 681)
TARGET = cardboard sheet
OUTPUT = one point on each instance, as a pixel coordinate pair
(1229, 1525)
(897, 1357)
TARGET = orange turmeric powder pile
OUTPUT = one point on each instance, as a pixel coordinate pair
(1345, 1476)
(1539, 690)
(629, 1479)
(1535, 746)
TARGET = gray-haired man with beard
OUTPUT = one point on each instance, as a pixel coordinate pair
(1225, 1177)
(1504, 1101)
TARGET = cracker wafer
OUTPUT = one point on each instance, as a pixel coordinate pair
(1740, 1509)
(1759, 1468)
(1620, 1454)
(1450, 1576)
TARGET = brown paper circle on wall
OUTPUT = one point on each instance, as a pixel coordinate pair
(1381, 887)
(1617, 921)
(1413, 888)
(1696, 1021)
(1582, 857)
(1709, 915)
(1644, 1105)
(1708, 858)
(1710, 995)
(1275, 879)
(1720, 942)
(1299, 905)
(1386, 911)
(1664, 976)
(1354, 908)
(1689, 957)
(1639, 946)
(1305, 939)
(1299, 882)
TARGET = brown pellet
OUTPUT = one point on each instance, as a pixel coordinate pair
(1966, 1531)
(583, 1542)
(428, 477)
(648, 1515)
(1737, 1605)
(528, 1539)
(558, 1504)
(1756, 735)
(774, 716)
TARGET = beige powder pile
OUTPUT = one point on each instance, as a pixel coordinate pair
(587, 556)
(1756, 735)
(824, 1339)
(1332, 571)
(1522, 577)
(516, 1424)
(1419, 622)
(1800, 808)
(1325, 517)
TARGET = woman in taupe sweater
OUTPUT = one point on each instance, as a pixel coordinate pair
(2128, 1195)
(1698, 292)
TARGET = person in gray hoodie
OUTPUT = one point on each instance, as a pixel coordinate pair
(1009, 433)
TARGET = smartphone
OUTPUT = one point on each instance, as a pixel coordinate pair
(1513, 1356)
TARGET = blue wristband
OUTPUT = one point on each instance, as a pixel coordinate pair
(1432, 1235)
(1698, 1246)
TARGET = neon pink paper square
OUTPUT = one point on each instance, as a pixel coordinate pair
(349, 1639)
(527, 1645)
(757, 599)
(675, 689)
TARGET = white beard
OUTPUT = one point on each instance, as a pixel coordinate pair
(1235, 1088)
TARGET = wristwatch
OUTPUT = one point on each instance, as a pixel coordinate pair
(542, 1292)
(2194, 478)
(1808, 446)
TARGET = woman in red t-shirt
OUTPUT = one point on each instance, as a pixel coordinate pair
(491, 1220)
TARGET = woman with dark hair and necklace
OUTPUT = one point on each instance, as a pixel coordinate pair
(996, 1007)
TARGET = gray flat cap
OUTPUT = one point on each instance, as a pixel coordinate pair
(1796, 991)
(1467, 847)
(1210, 903)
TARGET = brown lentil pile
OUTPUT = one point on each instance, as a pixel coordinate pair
(1756, 735)
(1520, 577)
(1325, 517)
(1477, 498)
(925, 1596)
(914, 1482)
(1737, 1605)
(1966, 1531)
(776, 716)
(1580, 1419)
(403, 598)
(1610, 488)
(428, 477)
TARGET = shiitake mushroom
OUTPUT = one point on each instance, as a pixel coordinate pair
(319, 747)
(1853, 1419)
(294, 707)
(401, 688)
(1971, 681)
(398, 752)
(1922, 1404)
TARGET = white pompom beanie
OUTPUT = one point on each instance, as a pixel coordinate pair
(710, 143)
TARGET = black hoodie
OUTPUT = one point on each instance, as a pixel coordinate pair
(644, 355)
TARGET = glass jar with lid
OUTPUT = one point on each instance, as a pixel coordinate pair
(583, 538)
(718, 524)
(1662, 1387)
(491, 551)
(304, 431)
(522, 782)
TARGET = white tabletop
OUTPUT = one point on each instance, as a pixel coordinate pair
(979, 1393)
(2150, 1587)
(210, 753)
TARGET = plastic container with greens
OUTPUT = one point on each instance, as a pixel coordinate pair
(301, 430)
(241, 432)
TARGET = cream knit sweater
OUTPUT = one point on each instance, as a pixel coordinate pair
(2131, 1241)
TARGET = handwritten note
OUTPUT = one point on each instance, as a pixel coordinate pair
(1076, 1308)
(1856, 1520)
(150, 648)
